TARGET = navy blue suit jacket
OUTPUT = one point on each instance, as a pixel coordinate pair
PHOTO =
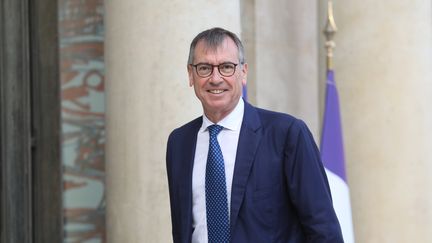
(279, 192)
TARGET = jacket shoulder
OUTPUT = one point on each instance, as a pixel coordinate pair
(186, 129)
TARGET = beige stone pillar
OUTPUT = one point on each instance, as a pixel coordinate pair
(383, 63)
(282, 43)
(147, 96)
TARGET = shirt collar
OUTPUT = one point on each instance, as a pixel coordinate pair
(232, 121)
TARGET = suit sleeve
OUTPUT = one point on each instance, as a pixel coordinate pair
(174, 217)
(308, 186)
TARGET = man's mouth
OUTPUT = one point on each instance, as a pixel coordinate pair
(216, 91)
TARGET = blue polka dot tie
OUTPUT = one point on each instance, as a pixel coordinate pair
(216, 192)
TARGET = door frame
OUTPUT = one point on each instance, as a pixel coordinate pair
(31, 171)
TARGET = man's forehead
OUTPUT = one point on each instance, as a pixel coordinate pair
(226, 45)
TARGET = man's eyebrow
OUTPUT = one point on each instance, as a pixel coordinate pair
(214, 64)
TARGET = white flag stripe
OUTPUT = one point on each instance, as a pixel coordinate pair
(341, 203)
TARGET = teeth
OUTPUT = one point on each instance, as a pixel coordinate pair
(216, 91)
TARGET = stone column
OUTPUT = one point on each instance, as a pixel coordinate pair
(148, 95)
(383, 61)
(282, 43)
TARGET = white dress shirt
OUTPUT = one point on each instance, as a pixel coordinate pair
(228, 140)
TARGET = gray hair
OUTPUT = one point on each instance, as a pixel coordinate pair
(214, 38)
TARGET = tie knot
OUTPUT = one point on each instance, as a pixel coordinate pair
(214, 130)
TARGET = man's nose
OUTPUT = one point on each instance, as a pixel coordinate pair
(216, 76)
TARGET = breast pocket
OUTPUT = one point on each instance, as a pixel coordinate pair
(265, 204)
(264, 193)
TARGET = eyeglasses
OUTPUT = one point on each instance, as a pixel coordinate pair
(204, 70)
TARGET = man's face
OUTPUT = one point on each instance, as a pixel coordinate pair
(218, 94)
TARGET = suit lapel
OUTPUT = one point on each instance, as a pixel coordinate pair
(249, 139)
(188, 159)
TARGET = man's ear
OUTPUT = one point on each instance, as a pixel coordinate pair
(190, 73)
(244, 71)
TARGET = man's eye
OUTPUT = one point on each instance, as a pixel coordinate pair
(203, 68)
(227, 67)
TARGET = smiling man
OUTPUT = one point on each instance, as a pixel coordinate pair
(220, 91)
(239, 173)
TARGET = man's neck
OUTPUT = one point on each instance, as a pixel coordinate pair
(216, 117)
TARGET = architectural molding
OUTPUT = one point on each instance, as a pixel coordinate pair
(30, 178)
